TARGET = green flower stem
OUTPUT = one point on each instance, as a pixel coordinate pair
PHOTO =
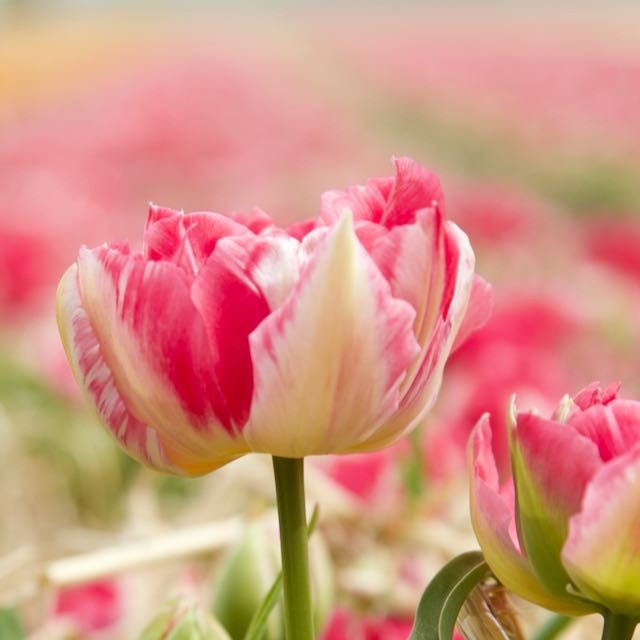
(618, 627)
(289, 475)
(415, 472)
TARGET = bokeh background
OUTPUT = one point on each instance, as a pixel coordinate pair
(530, 114)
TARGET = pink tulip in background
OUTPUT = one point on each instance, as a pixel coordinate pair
(227, 334)
(563, 532)
(91, 607)
(523, 340)
(346, 625)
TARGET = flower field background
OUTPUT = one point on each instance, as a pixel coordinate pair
(531, 120)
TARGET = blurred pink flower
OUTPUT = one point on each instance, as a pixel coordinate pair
(568, 518)
(346, 625)
(26, 259)
(90, 607)
(535, 85)
(494, 215)
(615, 245)
(368, 476)
(516, 351)
(81, 166)
(228, 335)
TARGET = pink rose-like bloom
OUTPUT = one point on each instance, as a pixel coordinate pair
(563, 532)
(227, 334)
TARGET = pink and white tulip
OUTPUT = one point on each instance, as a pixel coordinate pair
(563, 531)
(227, 334)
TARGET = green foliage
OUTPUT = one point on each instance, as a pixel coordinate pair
(444, 596)
(10, 626)
(66, 440)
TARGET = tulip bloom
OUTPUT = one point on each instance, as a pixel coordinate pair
(227, 334)
(563, 532)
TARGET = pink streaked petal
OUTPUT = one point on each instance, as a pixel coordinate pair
(593, 394)
(601, 552)
(479, 310)
(411, 258)
(492, 516)
(549, 451)
(549, 489)
(366, 203)
(157, 213)
(242, 282)
(387, 201)
(153, 343)
(415, 188)
(186, 240)
(326, 376)
(270, 263)
(370, 235)
(418, 262)
(92, 373)
(257, 221)
(614, 427)
(310, 243)
(299, 230)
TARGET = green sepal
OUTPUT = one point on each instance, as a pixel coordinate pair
(444, 596)
(183, 621)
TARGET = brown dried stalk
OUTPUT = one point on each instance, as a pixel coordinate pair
(487, 614)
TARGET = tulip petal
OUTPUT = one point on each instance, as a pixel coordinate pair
(613, 427)
(257, 220)
(415, 188)
(329, 362)
(492, 515)
(245, 277)
(479, 310)
(549, 490)
(366, 203)
(429, 264)
(387, 201)
(601, 551)
(147, 351)
(83, 352)
(186, 239)
(269, 264)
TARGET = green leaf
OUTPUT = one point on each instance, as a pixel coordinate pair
(10, 626)
(444, 596)
(259, 620)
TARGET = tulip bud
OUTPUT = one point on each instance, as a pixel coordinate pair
(562, 531)
(243, 579)
(249, 570)
(184, 621)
